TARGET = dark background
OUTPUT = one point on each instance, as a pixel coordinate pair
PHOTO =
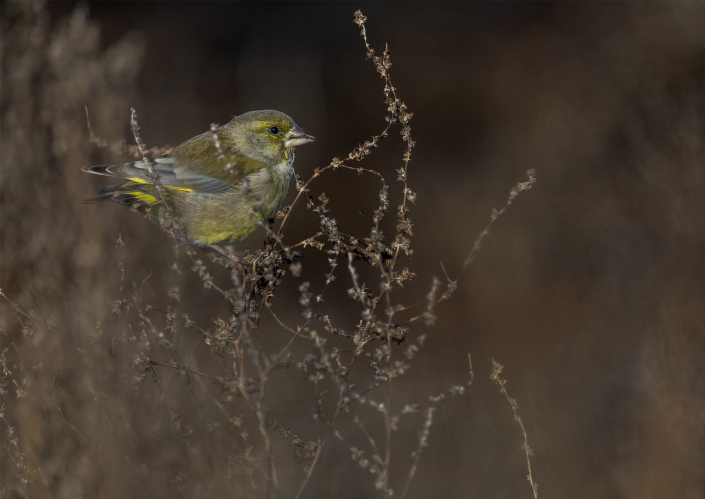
(590, 289)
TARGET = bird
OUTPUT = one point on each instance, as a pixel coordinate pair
(219, 190)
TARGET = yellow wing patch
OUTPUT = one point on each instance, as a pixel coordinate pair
(140, 181)
(141, 197)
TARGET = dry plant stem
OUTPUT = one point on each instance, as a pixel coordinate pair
(496, 371)
(369, 438)
(521, 186)
(398, 110)
(179, 367)
(453, 283)
(15, 307)
(310, 469)
(152, 437)
(399, 113)
(319, 448)
(20, 392)
(296, 333)
(136, 132)
(63, 417)
(174, 228)
(417, 454)
(92, 137)
(136, 301)
(388, 438)
(226, 414)
(334, 165)
(121, 147)
(356, 285)
(219, 148)
(357, 154)
(227, 254)
(305, 241)
(256, 405)
(205, 276)
(301, 190)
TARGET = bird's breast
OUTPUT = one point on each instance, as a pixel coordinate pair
(270, 185)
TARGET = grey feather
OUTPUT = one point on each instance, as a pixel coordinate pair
(169, 172)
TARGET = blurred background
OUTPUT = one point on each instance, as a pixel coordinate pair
(589, 290)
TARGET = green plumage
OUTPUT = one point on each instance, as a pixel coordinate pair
(217, 195)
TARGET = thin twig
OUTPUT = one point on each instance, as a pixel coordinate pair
(452, 285)
(423, 439)
(496, 371)
(186, 369)
(17, 309)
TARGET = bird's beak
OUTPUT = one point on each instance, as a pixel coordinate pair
(298, 137)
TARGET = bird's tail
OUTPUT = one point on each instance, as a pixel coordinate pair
(130, 192)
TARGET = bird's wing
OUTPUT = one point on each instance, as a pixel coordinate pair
(199, 155)
(196, 165)
(171, 175)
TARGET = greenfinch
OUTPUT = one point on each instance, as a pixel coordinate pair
(218, 192)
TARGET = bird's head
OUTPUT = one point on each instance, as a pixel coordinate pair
(268, 134)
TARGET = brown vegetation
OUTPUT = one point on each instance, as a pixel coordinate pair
(333, 364)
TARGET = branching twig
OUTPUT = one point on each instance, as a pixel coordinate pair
(496, 371)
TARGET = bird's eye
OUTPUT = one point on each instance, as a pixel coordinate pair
(274, 130)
